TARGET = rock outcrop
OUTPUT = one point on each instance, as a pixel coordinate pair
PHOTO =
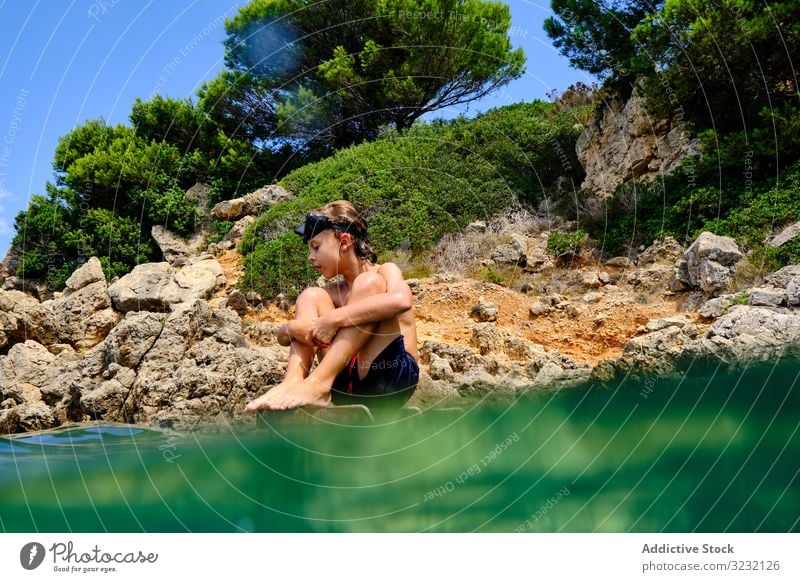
(176, 249)
(626, 143)
(250, 204)
(708, 264)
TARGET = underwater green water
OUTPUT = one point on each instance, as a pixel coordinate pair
(715, 452)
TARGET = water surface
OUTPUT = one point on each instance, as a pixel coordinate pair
(711, 452)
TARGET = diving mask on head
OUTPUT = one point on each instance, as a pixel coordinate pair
(315, 223)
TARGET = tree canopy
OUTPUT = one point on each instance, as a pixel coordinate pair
(334, 72)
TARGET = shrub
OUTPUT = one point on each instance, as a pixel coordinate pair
(414, 188)
(562, 244)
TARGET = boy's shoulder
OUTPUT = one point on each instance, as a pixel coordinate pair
(390, 270)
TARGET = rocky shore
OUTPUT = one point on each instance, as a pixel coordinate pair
(176, 344)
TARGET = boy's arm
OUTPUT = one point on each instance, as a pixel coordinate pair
(396, 300)
(295, 329)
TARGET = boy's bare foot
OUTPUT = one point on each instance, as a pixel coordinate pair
(292, 394)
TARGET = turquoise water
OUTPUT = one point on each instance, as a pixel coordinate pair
(714, 452)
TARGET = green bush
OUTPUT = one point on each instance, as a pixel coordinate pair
(566, 243)
(278, 265)
(417, 186)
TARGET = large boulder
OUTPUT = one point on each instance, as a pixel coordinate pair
(251, 204)
(23, 318)
(201, 366)
(158, 287)
(709, 263)
(23, 371)
(90, 272)
(83, 312)
(143, 288)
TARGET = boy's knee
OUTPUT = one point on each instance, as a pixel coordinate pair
(369, 284)
(314, 295)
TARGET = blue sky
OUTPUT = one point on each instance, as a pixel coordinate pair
(62, 62)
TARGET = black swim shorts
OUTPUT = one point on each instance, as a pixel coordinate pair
(390, 381)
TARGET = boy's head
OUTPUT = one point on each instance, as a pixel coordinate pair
(342, 217)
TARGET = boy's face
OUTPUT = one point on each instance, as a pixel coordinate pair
(323, 252)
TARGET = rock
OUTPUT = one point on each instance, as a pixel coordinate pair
(143, 288)
(236, 301)
(183, 368)
(236, 232)
(553, 377)
(717, 307)
(747, 334)
(460, 358)
(787, 234)
(593, 297)
(655, 352)
(23, 318)
(651, 278)
(482, 311)
(27, 417)
(61, 349)
(35, 288)
(254, 298)
(665, 322)
(107, 401)
(157, 287)
(539, 308)
(199, 278)
(84, 316)
(536, 258)
(251, 204)
(784, 277)
(625, 144)
(440, 368)
(262, 333)
(27, 363)
(176, 249)
(604, 278)
(656, 265)
(477, 227)
(127, 343)
(591, 280)
(201, 193)
(513, 253)
(793, 293)
(90, 272)
(665, 251)
(766, 296)
(487, 337)
(619, 262)
(709, 263)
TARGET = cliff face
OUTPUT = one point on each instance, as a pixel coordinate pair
(626, 143)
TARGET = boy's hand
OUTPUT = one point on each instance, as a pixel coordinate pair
(301, 331)
(323, 331)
